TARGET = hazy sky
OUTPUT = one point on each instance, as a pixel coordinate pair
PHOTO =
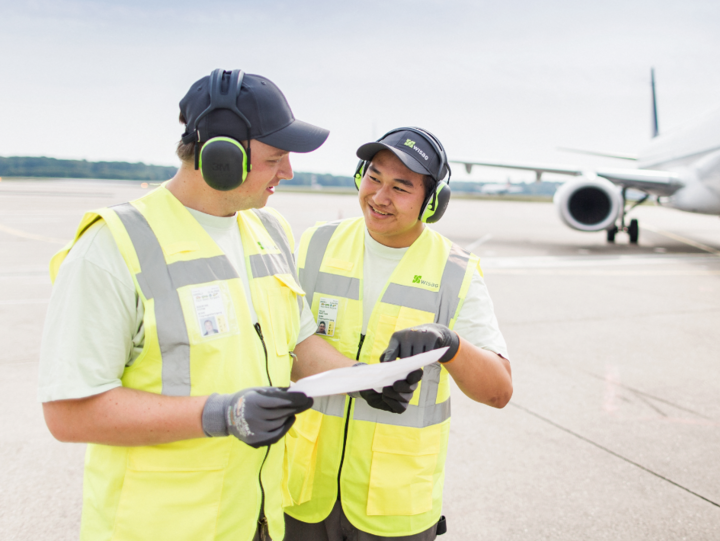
(494, 80)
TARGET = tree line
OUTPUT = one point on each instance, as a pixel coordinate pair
(24, 166)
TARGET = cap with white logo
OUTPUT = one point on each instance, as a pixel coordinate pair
(414, 150)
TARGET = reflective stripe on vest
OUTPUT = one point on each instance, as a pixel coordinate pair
(160, 281)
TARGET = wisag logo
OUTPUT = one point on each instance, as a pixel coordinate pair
(417, 279)
(410, 143)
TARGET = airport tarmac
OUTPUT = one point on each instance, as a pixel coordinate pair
(613, 431)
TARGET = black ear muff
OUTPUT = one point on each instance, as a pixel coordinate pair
(224, 163)
(359, 172)
(436, 203)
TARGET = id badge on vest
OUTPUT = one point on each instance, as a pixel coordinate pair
(211, 308)
(327, 316)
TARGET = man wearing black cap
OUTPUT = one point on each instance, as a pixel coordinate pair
(392, 287)
(154, 393)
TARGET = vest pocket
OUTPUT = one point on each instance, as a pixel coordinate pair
(402, 471)
(172, 491)
(300, 457)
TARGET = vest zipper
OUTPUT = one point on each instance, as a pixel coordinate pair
(347, 418)
(262, 519)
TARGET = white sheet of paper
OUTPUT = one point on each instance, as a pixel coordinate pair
(359, 378)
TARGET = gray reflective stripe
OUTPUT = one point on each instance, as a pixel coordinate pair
(263, 265)
(426, 413)
(330, 405)
(444, 302)
(277, 234)
(339, 286)
(430, 383)
(195, 271)
(411, 297)
(157, 284)
(414, 416)
(200, 271)
(314, 256)
(451, 284)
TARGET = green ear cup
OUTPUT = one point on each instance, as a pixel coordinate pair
(436, 203)
(359, 172)
(224, 163)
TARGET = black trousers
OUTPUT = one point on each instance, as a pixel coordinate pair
(336, 527)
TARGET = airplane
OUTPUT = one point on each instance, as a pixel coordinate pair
(681, 170)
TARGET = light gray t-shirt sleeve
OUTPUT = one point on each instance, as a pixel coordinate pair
(308, 326)
(92, 326)
(476, 321)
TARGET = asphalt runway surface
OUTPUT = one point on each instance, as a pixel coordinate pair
(613, 432)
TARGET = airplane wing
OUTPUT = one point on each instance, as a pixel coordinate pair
(662, 183)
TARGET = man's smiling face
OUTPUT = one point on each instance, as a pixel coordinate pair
(391, 197)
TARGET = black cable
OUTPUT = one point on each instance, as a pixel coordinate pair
(612, 453)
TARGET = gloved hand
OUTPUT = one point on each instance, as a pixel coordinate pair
(396, 397)
(258, 416)
(422, 338)
(393, 398)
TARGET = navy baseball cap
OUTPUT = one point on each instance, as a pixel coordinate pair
(413, 148)
(262, 103)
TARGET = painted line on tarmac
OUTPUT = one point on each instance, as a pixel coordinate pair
(17, 302)
(613, 453)
(689, 242)
(552, 262)
(482, 240)
(32, 236)
(590, 272)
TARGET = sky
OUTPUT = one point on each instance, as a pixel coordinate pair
(509, 80)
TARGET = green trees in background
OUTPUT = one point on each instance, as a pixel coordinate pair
(20, 166)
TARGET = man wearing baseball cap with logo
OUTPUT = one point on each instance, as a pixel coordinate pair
(181, 422)
(361, 467)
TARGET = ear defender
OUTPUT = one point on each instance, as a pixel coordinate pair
(359, 173)
(436, 203)
(224, 163)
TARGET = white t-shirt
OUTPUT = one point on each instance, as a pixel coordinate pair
(94, 324)
(476, 321)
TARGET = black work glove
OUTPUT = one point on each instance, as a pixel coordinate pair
(394, 398)
(420, 339)
(257, 416)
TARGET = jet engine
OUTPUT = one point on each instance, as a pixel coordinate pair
(588, 204)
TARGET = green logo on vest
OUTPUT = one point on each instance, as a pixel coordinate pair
(261, 245)
(416, 279)
(410, 143)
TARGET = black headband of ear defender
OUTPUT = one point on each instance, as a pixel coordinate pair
(218, 100)
(224, 162)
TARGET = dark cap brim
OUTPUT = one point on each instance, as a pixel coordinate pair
(368, 151)
(298, 136)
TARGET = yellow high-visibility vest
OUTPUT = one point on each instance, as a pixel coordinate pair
(389, 467)
(207, 488)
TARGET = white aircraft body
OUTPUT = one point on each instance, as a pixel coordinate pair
(680, 169)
